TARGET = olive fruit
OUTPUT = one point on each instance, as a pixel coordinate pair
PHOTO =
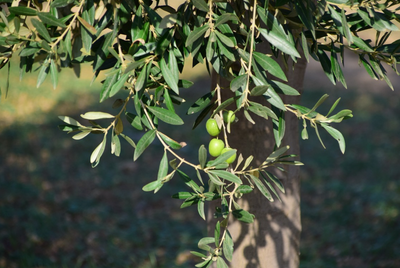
(229, 116)
(231, 159)
(215, 147)
(212, 127)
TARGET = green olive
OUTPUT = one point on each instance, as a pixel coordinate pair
(212, 127)
(229, 116)
(231, 159)
(215, 147)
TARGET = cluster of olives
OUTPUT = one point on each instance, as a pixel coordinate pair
(216, 147)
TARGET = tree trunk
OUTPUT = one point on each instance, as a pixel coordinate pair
(273, 239)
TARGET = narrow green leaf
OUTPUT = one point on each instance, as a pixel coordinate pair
(247, 162)
(279, 41)
(44, 70)
(337, 136)
(202, 156)
(346, 28)
(227, 176)
(201, 103)
(68, 43)
(59, 3)
(304, 44)
(305, 13)
(163, 167)
(200, 209)
(164, 41)
(244, 189)
(227, 52)
(319, 102)
(97, 115)
(169, 76)
(239, 82)
(204, 243)
(171, 143)
(81, 135)
(227, 247)
(282, 88)
(188, 181)
(70, 120)
(21, 10)
(196, 34)
(116, 87)
(269, 65)
(86, 25)
(221, 263)
(386, 78)
(275, 180)
(53, 73)
(343, 2)
(182, 195)
(98, 152)
(128, 139)
(337, 70)
(259, 90)
(227, 31)
(168, 100)
(199, 176)
(337, 18)
(273, 98)
(173, 65)
(360, 43)
(190, 201)
(326, 65)
(225, 18)
(224, 39)
(277, 153)
(279, 128)
(217, 233)
(115, 145)
(261, 110)
(49, 19)
(166, 115)
(319, 137)
(215, 179)
(243, 215)
(368, 67)
(270, 186)
(141, 81)
(201, 4)
(42, 30)
(383, 22)
(262, 188)
(144, 142)
(152, 186)
(333, 107)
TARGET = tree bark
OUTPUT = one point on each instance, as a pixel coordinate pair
(273, 239)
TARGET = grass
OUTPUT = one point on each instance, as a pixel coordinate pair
(351, 202)
(56, 211)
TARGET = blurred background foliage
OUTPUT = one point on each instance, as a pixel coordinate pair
(56, 211)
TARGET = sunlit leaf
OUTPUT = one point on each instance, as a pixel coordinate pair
(262, 188)
(227, 176)
(144, 142)
(166, 115)
(96, 115)
(196, 34)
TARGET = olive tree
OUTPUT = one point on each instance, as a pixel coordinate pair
(256, 53)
